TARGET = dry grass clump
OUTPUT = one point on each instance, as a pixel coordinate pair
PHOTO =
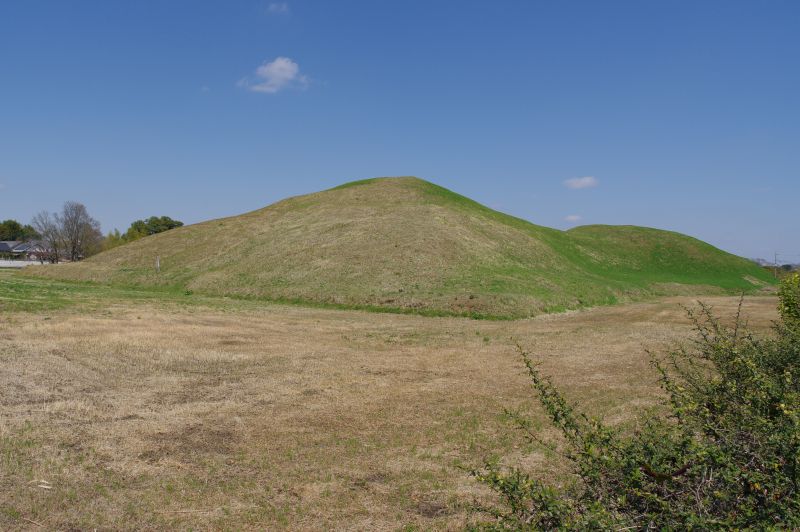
(129, 414)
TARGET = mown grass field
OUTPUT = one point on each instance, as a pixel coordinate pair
(157, 409)
(407, 245)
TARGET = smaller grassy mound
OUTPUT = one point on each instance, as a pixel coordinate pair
(644, 256)
(406, 245)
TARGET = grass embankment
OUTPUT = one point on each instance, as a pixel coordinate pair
(406, 245)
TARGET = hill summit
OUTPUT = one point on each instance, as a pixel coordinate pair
(404, 244)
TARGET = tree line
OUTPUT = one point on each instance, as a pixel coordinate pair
(140, 229)
(12, 230)
(73, 234)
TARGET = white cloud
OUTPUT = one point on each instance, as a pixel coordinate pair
(573, 218)
(581, 182)
(271, 77)
(278, 8)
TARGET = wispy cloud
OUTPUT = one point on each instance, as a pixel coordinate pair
(274, 76)
(581, 182)
(278, 8)
(573, 218)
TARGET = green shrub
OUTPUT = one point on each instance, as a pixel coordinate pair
(724, 456)
(789, 295)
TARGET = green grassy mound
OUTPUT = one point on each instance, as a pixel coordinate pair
(406, 245)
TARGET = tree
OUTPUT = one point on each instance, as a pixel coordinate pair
(159, 224)
(139, 229)
(726, 455)
(150, 226)
(49, 228)
(112, 240)
(82, 236)
(15, 231)
(73, 234)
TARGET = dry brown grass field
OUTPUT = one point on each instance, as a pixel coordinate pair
(124, 413)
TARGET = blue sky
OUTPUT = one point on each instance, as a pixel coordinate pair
(684, 114)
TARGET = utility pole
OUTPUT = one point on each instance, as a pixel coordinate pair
(775, 266)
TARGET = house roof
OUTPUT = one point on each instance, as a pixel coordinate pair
(16, 246)
(7, 246)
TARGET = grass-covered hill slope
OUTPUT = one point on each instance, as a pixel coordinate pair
(403, 244)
